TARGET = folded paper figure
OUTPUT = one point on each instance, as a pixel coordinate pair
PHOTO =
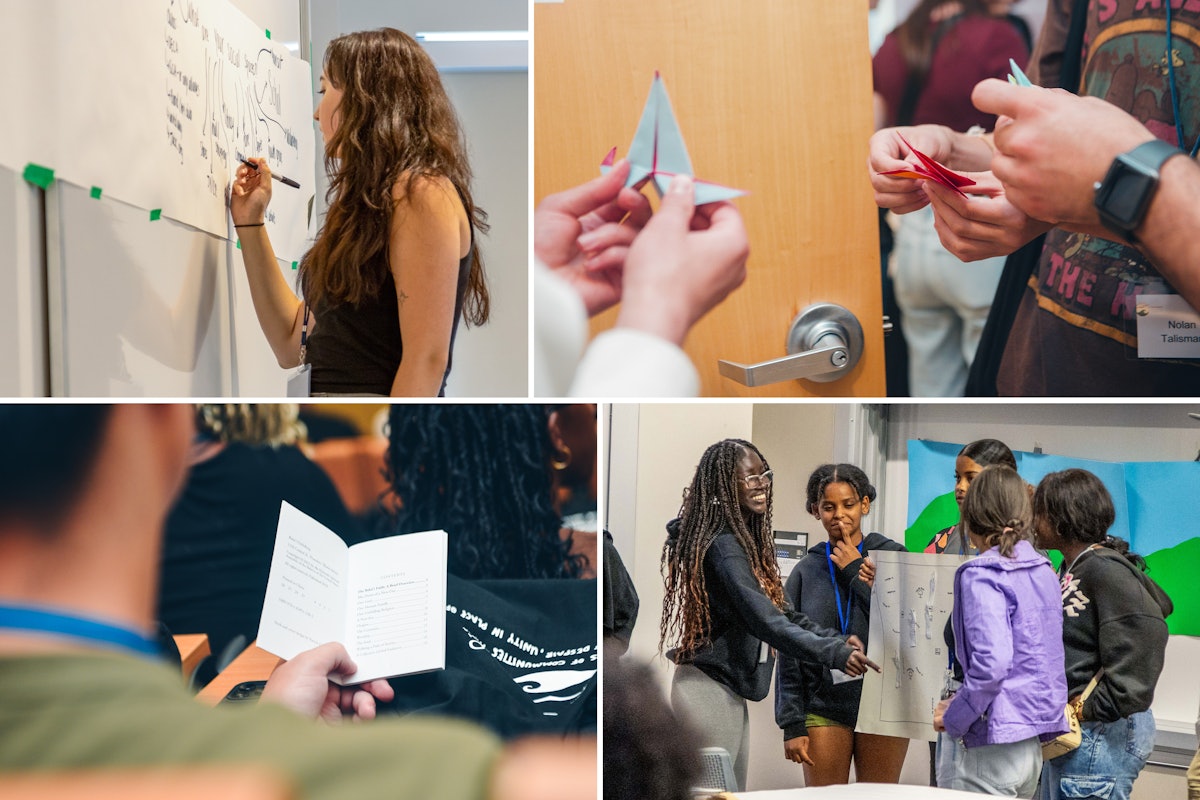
(658, 153)
(931, 170)
(1018, 77)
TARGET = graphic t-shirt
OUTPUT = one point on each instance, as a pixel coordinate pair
(521, 658)
(1075, 331)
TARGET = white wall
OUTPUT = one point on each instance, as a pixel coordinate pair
(653, 450)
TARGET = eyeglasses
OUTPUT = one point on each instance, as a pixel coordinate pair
(759, 481)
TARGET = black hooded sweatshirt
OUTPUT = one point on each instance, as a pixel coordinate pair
(808, 688)
(745, 625)
(1113, 616)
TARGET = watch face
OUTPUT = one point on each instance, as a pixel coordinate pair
(1127, 195)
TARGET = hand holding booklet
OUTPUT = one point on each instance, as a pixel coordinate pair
(384, 600)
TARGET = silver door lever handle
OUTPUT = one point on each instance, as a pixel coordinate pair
(824, 343)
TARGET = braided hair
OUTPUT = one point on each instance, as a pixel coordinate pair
(997, 508)
(711, 506)
(482, 473)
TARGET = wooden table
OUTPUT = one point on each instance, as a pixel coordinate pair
(254, 664)
(193, 648)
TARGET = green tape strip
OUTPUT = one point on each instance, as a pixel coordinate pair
(295, 264)
(96, 192)
(155, 214)
(38, 175)
(239, 244)
(268, 33)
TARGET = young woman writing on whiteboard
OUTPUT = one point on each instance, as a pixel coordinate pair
(395, 264)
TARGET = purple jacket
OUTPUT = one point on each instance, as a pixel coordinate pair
(1008, 637)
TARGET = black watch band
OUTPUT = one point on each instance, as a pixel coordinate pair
(1124, 195)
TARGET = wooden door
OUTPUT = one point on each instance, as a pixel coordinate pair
(772, 96)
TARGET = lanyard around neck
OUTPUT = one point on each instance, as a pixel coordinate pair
(843, 616)
(90, 631)
(1175, 92)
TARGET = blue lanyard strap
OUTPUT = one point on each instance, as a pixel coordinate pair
(1175, 91)
(843, 616)
(92, 631)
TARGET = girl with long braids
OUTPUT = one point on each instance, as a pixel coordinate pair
(484, 474)
(1114, 634)
(1007, 622)
(395, 264)
(817, 708)
(724, 611)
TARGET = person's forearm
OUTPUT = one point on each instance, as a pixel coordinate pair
(1168, 232)
(275, 305)
(419, 375)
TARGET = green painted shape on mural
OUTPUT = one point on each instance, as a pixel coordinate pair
(1174, 569)
(939, 514)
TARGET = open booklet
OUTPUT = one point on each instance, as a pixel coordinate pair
(384, 600)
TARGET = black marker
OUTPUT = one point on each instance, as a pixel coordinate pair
(275, 175)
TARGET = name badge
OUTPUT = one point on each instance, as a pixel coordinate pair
(1167, 327)
(841, 677)
(300, 383)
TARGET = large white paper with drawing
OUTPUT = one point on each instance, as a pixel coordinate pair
(385, 600)
(910, 603)
(150, 101)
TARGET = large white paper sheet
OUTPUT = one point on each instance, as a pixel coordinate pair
(152, 100)
(910, 603)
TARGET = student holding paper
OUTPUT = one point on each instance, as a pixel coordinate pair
(395, 264)
(817, 707)
(723, 607)
(83, 495)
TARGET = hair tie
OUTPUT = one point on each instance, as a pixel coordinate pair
(1007, 529)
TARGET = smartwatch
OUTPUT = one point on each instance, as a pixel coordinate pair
(1124, 195)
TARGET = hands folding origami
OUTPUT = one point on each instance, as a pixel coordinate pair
(931, 170)
(658, 152)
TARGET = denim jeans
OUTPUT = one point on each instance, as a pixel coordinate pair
(1105, 763)
(1007, 770)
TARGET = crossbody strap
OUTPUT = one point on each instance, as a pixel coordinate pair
(1091, 686)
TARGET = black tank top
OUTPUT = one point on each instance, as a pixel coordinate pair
(356, 348)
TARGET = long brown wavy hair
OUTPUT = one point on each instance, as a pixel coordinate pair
(395, 122)
(915, 35)
(712, 505)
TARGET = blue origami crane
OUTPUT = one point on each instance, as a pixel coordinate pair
(658, 153)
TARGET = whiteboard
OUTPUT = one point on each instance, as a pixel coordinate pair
(152, 101)
(23, 371)
(138, 307)
(117, 304)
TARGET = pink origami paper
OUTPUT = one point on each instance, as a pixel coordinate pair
(931, 170)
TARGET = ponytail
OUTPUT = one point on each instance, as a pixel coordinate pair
(1006, 539)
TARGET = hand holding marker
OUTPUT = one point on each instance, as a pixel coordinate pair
(275, 175)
